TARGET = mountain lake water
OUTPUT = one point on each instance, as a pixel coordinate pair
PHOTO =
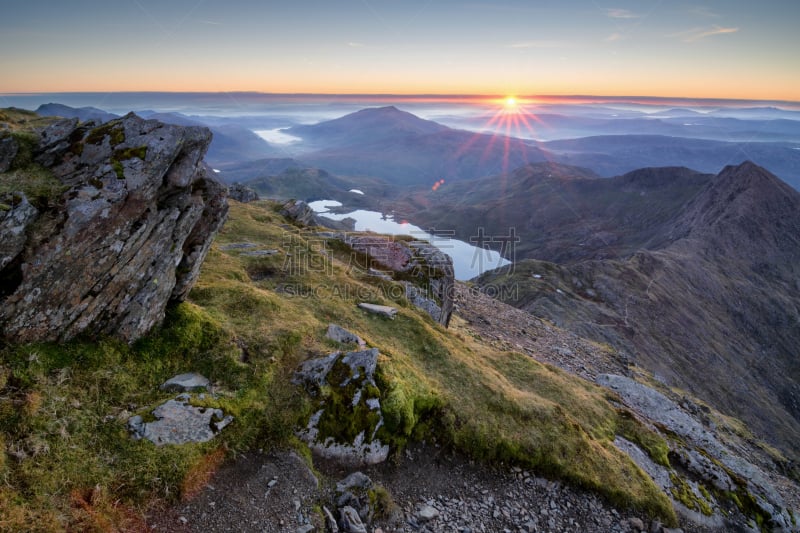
(468, 261)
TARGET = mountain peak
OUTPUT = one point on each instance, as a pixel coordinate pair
(366, 126)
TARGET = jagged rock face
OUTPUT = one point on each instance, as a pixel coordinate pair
(131, 230)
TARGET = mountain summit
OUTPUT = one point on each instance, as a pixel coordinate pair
(367, 126)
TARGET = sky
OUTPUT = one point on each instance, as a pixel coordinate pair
(707, 49)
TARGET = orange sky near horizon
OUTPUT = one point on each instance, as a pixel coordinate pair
(733, 49)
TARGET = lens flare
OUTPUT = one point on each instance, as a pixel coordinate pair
(510, 102)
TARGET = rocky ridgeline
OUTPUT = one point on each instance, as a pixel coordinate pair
(137, 215)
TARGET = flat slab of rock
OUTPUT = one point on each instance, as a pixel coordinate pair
(189, 382)
(178, 422)
(339, 334)
(383, 310)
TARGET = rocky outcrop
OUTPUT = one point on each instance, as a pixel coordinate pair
(711, 472)
(138, 215)
(427, 272)
(242, 193)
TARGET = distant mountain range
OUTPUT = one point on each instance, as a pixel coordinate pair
(695, 277)
(405, 151)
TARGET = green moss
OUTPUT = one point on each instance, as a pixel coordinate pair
(655, 446)
(381, 502)
(682, 492)
(119, 170)
(37, 183)
(129, 153)
(113, 130)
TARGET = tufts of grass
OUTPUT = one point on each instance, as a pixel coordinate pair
(63, 407)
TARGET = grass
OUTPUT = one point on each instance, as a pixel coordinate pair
(248, 325)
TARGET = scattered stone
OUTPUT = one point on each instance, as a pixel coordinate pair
(339, 334)
(383, 310)
(189, 382)
(178, 422)
(350, 521)
(353, 491)
(636, 524)
(427, 513)
(330, 521)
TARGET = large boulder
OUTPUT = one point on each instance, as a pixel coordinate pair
(138, 215)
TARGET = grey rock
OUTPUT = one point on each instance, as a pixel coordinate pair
(350, 521)
(178, 422)
(300, 212)
(427, 513)
(339, 334)
(307, 528)
(259, 253)
(14, 224)
(636, 524)
(353, 491)
(242, 193)
(417, 297)
(238, 246)
(189, 382)
(330, 521)
(8, 151)
(382, 310)
(140, 214)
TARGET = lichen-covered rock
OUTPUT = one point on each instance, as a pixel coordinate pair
(129, 234)
(348, 410)
(179, 422)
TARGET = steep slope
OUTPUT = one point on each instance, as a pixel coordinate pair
(561, 213)
(715, 311)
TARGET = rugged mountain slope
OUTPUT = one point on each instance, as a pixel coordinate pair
(562, 213)
(713, 308)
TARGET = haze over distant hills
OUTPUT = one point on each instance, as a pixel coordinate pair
(610, 136)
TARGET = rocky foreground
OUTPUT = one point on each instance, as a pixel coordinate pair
(125, 231)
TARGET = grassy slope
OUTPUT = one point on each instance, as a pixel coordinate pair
(63, 408)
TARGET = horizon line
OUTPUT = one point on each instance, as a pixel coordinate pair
(432, 96)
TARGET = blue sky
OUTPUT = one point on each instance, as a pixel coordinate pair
(727, 49)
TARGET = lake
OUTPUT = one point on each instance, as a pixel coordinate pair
(468, 260)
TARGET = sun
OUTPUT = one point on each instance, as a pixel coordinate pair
(510, 102)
